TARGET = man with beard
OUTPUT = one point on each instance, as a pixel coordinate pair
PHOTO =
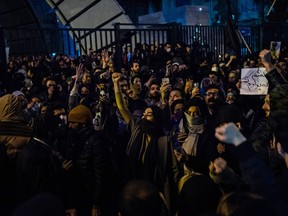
(149, 151)
(154, 95)
(135, 69)
(214, 100)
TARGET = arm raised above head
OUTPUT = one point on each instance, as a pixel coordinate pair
(120, 101)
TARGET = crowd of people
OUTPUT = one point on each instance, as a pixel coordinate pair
(168, 134)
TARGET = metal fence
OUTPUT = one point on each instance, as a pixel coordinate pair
(76, 42)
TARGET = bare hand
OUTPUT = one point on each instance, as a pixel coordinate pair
(116, 76)
(79, 71)
(181, 156)
(164, 89)
(218, 166)
(105, 75)
(195, 91)
(188, 86)
(151, 79)
(265, 56)
(66, 165)
(182, 137)
(238, 84)
(105, 56)
(220, 148)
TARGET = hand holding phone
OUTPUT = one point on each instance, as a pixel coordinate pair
(165, 81)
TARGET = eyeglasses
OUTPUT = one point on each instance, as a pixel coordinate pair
(209, 94)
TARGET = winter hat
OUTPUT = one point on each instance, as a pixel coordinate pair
(80, 114)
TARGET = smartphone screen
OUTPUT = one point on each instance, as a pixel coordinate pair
(165, 81)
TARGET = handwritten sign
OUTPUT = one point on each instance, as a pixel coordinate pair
(253, 81)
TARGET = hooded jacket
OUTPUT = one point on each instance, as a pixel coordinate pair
(14, 134)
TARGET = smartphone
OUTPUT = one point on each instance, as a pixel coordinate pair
(165, 81)
(196, 84)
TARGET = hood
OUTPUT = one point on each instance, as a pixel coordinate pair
(10, 108)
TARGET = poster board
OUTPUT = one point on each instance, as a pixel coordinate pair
(253, 81)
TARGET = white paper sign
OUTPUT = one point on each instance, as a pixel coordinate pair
(253, 81)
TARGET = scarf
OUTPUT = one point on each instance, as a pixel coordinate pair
(194, 131)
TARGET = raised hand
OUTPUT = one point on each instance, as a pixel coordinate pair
(265, 56)
(116, 76)
(79, 71)
(218, 166)
(229, 134)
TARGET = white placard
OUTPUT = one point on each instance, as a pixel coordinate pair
(253, 81)
(7, 53)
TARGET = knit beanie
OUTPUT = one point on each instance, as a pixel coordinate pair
(80, 114)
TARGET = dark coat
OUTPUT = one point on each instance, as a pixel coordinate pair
(38, 171)
(14, 135)
(163, 168)
(275, 78)
(88, 149)
(257, 174)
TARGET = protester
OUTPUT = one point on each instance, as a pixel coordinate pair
(163, 106)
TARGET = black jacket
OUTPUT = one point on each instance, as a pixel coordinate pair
(38, 170)
(275, 78)
(89, 151)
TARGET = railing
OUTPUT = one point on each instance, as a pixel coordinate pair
(76, 42)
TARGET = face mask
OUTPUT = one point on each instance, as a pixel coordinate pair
(177, 116)
(149, 127)
(36, 107)
(190, 121)
(168, 50)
